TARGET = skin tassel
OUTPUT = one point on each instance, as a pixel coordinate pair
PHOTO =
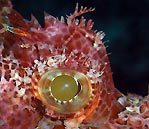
(35, 60)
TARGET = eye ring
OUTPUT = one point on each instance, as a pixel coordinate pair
(77, 101)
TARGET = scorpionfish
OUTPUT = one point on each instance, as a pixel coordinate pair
(59, 76)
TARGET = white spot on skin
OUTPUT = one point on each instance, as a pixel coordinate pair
(89, 36)
(95, 45)
(74, 123)
(50, 61)
(54, 61)
(47, 123)
(29, 71)
(17, 79)
(86, 35)
(101, 34)
(17, 83)
(1, 48)
(16, 75)
(27, 80)
(21, 91)
(95, 72)
(133, 109)
(36, 61)
(122, 100)
(40, 65)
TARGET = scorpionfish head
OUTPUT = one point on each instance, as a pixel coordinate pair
(62, 69)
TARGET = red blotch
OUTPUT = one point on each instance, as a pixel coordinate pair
(26, 56)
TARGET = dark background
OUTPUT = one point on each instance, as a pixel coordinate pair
(126, 24)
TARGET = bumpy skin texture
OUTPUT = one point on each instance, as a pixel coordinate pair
(27, 51)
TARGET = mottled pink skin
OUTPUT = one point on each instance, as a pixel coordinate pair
(76, 41)
(57, 38)
(15, 113)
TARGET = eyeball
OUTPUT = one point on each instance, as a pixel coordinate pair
(64, 87)
(63, 90)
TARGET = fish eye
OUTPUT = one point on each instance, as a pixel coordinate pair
(64, 87)
(63, 90)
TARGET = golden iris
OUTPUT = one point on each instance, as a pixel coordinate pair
(64, 90)
(64, 87)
